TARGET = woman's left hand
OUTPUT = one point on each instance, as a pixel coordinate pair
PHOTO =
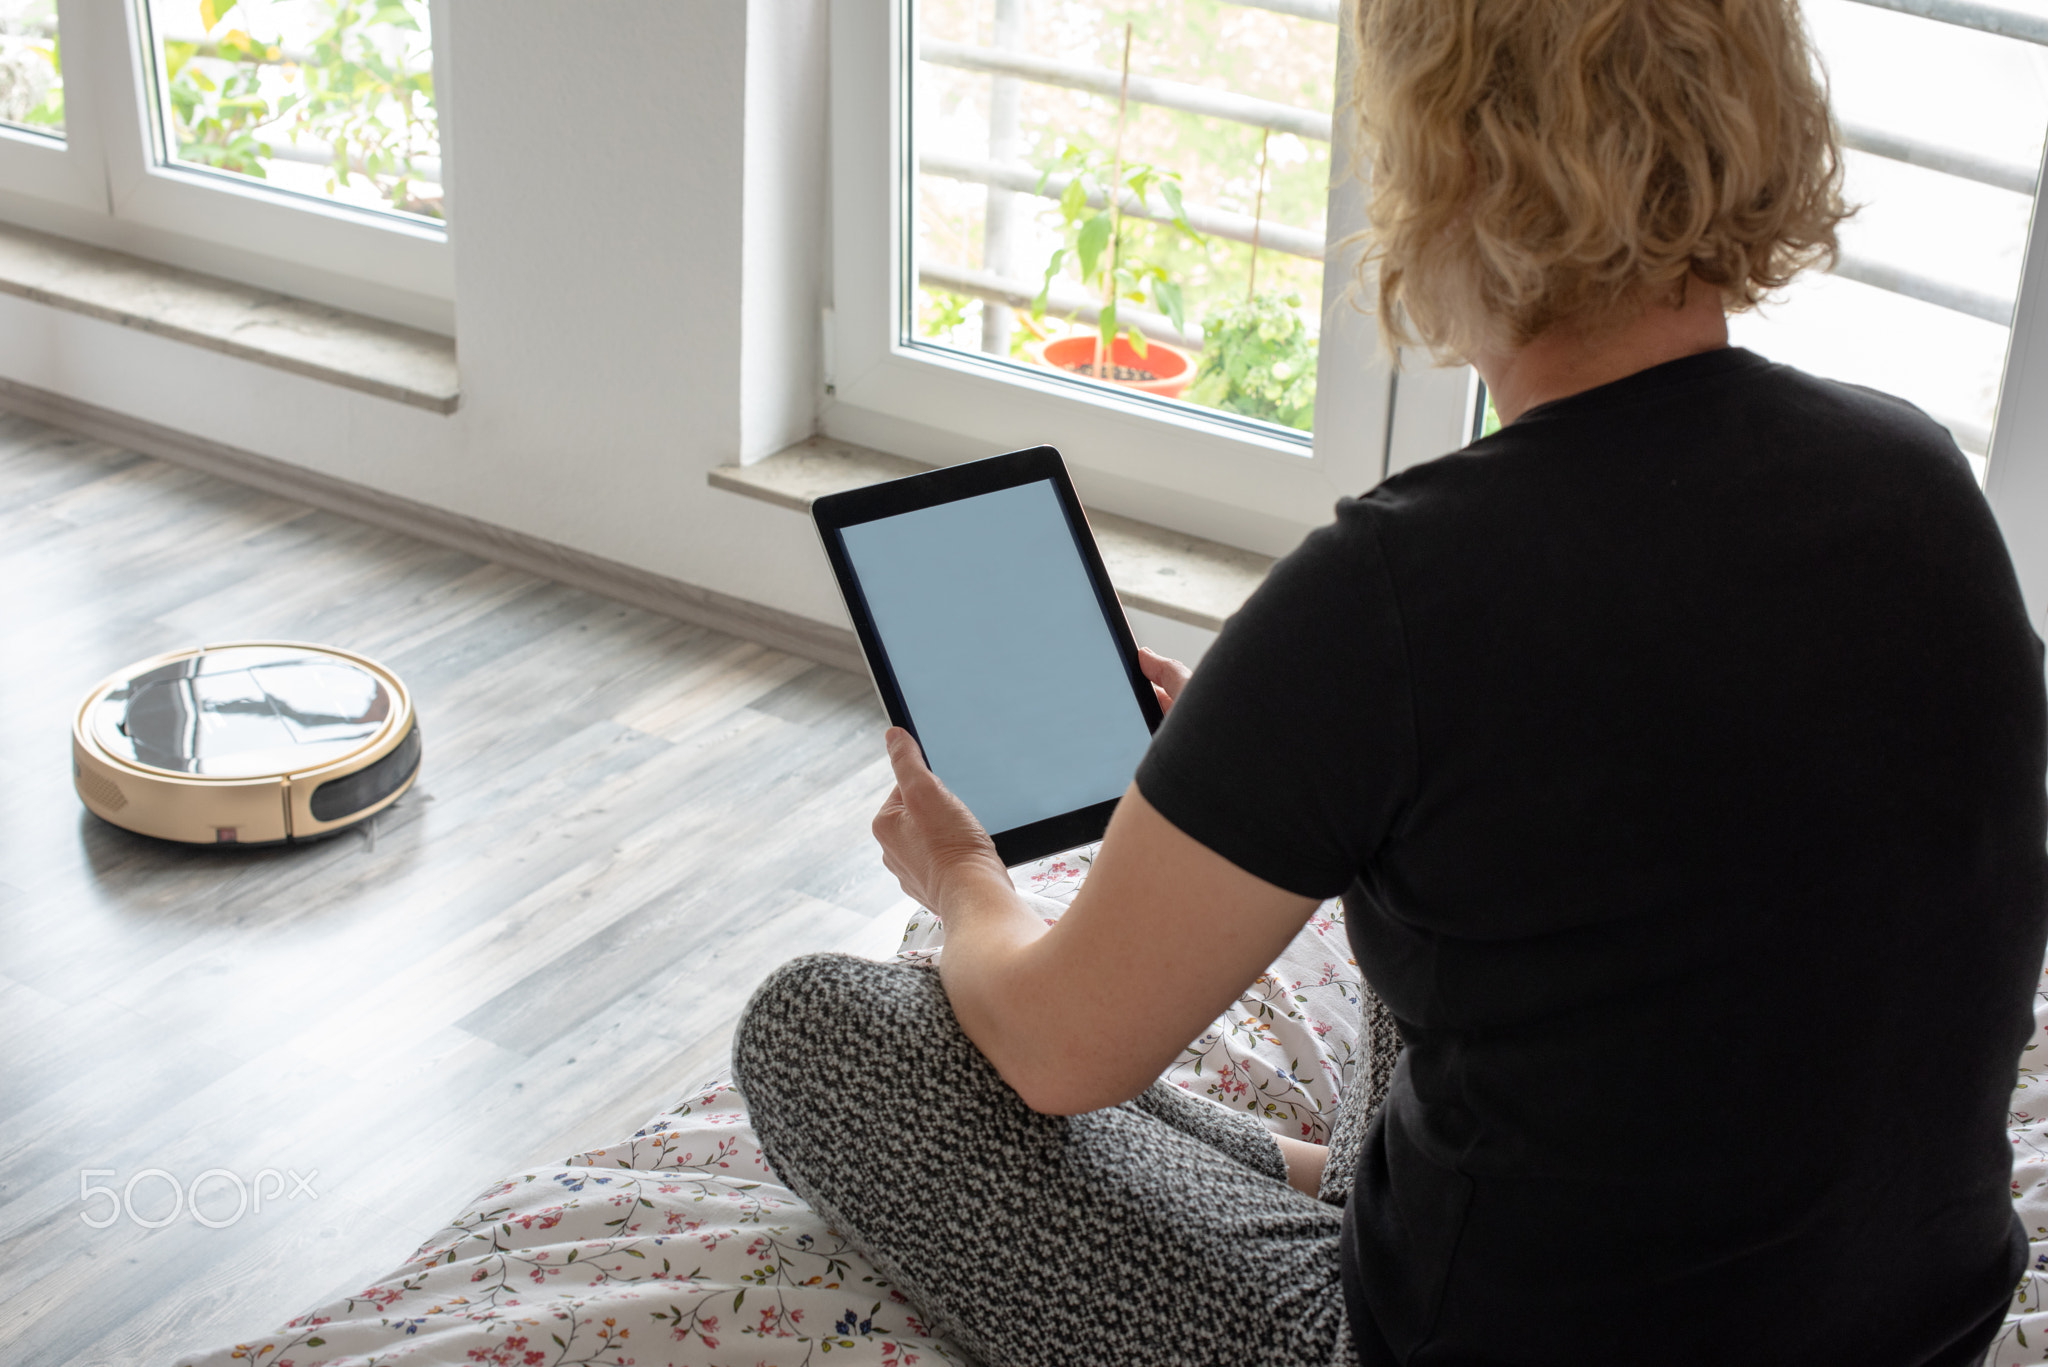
(929, 839)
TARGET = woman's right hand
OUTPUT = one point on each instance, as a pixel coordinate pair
(1168, 677)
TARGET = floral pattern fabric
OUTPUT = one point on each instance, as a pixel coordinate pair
(679, 1246)
(2024, 1337)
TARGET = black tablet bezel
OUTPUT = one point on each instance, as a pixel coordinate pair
(834, 512)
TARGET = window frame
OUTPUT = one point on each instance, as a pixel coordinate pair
(107, 165)
(1165, 462)
(66, 168)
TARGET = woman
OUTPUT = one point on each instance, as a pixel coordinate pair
(1679, 751)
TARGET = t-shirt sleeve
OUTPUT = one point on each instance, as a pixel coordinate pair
(1291, 752)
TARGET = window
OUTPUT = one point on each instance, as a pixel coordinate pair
(1944, 123)
(962, 126)
(31, 68)
(1203, 283)
(44, 152)
(330, 98)
(292, 144)
(1007, 154)
(1943, 119)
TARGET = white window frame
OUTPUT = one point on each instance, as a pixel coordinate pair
(106, 166)
(1168, 463)
(67, 169)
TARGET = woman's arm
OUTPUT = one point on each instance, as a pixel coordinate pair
(1085, 1013)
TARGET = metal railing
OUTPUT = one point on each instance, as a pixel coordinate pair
(1013, 65)
(1325, 10)
(1202, 218)
(1066, 301)
(2028, 27)
(1308, 123)
(1992, 308)
(2015, 176)
(1987, 18)
(1189, 99)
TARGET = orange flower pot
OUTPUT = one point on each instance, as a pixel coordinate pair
(1163, 370)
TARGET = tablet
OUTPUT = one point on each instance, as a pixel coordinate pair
(994, 637)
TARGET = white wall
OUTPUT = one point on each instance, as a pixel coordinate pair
(2017, 482)
(783, 226)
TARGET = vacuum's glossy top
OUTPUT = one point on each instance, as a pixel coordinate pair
(243, 712)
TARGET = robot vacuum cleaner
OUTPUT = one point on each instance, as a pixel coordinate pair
(247, 743)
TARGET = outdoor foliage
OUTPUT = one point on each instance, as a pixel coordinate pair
(1112, 269)
(1235, 167)
(31, 67)
(1259, 360)
(359, 96)
(941, 311)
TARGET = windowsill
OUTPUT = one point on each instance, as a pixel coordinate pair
(1154, 570)
(392, 362)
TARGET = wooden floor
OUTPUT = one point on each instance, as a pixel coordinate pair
(621, 823)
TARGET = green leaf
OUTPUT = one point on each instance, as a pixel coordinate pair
(1137, 339)
(1090, 244)
(211, 11)
(1171, 190)
(1107, 329)
(1073, 199)
(1045, 291)
(1168, 296)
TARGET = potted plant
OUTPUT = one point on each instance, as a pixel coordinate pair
(1259, 360)
(1116, 352)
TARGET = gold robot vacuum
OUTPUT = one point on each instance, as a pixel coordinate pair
(246, 743)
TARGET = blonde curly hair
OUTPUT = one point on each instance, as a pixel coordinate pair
(1540, 160)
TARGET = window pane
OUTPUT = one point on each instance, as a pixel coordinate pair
(1222, 155)
(1945, 127)
(333, 98)
(31, 79)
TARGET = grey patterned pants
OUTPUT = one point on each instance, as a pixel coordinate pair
(1159, 1231)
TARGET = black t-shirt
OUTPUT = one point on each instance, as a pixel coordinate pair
(1679, 751)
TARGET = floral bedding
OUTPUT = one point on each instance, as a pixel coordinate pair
(2025, 1335)
(678, 1245)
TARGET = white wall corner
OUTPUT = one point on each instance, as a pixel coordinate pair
(783, 223)
(2017, 480)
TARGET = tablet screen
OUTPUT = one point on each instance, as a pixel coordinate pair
(999, 646)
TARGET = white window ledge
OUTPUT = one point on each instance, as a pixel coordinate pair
(1154, 570)
(392, 362)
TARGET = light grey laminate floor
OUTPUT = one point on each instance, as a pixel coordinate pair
(621, 823)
